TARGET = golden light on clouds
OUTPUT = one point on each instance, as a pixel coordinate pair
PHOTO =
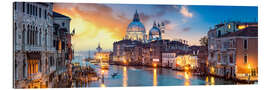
(93, 24)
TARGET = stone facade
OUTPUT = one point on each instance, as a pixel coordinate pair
(62, 40)
(34, 54)
(168, 59)
(233, 50)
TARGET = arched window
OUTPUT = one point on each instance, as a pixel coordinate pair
(15, 33)
(23, 34)
(24, 66)
(36, 37)
(28, 35)
(40, 33)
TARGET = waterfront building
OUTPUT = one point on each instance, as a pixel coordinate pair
(203, 59)
(135, 49)
(233, 50)
(62, 40)
(102, 57)
(126, 51)
(168, 58)
(41, 42)
(34, 54)
(186, 62)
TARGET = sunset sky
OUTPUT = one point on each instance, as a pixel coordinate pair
(107, 23)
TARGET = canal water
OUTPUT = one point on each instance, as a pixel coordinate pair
(147, 76)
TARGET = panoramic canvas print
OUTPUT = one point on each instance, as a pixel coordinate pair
(84, 45)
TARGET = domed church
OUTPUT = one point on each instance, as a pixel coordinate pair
(136, 30)
(155, 33)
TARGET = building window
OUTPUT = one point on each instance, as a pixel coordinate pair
(40, 12)
(229, 26)
(40, 66)
(31, 10)
(23, 7)
(245, 44)
(45, 15)
(245, 59)
(28, 33)
(23, 34)
(232, 43)
(219, 33)
(63, 24)
(35, 10)
(16, 71)
(231, 58)
(219, 58)
(28, 8)
(24, 65)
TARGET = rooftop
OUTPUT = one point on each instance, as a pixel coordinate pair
(55, 14)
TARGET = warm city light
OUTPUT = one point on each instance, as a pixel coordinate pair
(70, 45)
(102, 71)
(125, 77)
(212, 70)
(154, 64)
(102, 85)
(155, 77)
(186, 68)
(125, 62)
(240, 27)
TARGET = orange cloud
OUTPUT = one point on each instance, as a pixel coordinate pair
(93, 23)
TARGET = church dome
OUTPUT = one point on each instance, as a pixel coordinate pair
(154, 33)
(136, 25)
(136, 30)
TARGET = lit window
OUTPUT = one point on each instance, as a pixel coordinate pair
(229, 26)
(242, 27)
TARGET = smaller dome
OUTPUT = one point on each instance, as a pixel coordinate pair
(154, 33)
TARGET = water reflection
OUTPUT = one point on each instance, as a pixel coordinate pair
(145, 76)
(212, 80)
(187, 76)
(125, 76)
(102, 85)
(154, 77)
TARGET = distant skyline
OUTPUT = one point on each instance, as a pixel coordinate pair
(107, 23)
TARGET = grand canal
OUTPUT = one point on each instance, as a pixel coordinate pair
(126, 76)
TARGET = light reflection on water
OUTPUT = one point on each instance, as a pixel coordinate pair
(155, 77)
(187, 76)
(146, 76)
(125, 78)
(211, 79)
